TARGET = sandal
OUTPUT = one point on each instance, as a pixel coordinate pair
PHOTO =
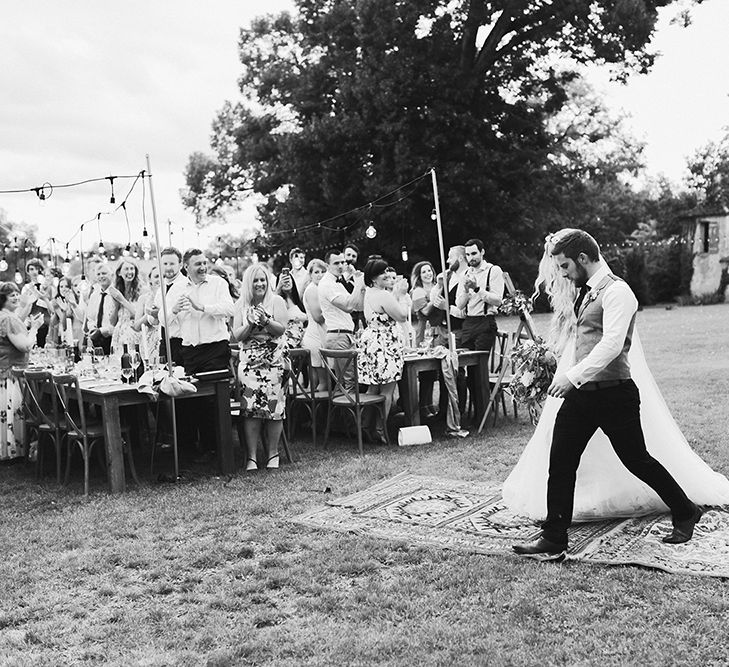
(252, 464)
(272, 463)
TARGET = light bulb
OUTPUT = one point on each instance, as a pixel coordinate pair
(18, 277)
(49, 263)
(433, 215)
(112, 257)
(127, 251)
(404, 254)
(219, 261)
(102, 249)
(66, 267)
(146, 244)
(83, 284)
(370, 232)
(3, 264)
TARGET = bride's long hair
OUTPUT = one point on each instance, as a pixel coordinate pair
(561, 294)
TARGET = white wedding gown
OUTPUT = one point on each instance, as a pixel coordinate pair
(604, 486)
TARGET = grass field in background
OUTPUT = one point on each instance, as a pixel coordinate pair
(212, 572)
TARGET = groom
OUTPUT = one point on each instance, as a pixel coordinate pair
(599, 393)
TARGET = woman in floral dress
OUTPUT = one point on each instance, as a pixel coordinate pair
(126, 291)
(381, 357)
(259, 323)
(16, 341)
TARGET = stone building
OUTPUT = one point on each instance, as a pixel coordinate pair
(709, 235)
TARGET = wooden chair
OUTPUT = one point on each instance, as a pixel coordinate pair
(28, 421)
(42, 406)
(82, 432)
(302, 392)
(499, 356)
(339, 363)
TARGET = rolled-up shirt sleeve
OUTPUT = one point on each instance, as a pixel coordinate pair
(619, 306)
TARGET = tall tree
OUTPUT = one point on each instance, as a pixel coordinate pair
(350, 98)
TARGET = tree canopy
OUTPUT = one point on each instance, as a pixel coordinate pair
(347, 99)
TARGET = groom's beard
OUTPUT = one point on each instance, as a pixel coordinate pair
(582, 277)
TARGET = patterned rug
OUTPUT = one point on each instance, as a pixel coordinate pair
(469, 517)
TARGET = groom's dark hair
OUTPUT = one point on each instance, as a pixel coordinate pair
(574, 242)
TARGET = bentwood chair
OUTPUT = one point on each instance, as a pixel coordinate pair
(28, 423)
(83, 433)
(340, 364)
(42, 407)
(301, 391)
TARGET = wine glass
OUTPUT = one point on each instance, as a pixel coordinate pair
(127, 373)
(136, 361)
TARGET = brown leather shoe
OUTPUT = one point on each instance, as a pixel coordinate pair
(542, 549)
(683, 531)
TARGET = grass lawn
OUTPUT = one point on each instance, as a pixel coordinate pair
(211, 571)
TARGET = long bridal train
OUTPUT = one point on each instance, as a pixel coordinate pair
(604, 487)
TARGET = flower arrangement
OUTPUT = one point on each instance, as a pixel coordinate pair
(515, 304)
(534, 365)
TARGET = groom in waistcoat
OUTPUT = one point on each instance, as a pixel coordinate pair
(598, 392)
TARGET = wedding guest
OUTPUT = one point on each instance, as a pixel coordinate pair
(297, 258)
(101, 311)
(259, 322)
(232, 290)
(422, 283)
(126, 291)
(456, 263)
(351, 254)
(381, 355)
(315, 333)
(287, 289)
(16, 341)
(66, 307)
(149, 330)
(36, 297)
(337, 304)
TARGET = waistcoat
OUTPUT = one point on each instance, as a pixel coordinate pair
(589, 333)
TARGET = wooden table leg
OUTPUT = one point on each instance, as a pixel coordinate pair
(224, 428)
(113, 444)
(411, 399)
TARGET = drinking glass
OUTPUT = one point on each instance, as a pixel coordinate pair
(128, 373)
(136, 361)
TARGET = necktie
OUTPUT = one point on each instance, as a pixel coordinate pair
(581, 297)
(167, 287)
(347, 285)
(100, 314)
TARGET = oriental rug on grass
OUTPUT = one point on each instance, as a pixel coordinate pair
(470, 517)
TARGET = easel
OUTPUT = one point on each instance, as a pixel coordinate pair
(526, 325)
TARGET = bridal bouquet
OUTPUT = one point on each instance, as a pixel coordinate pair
(534, 366)
(515, 304)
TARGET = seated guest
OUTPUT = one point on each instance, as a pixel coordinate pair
(381, 355)
(101, 311)
(259, 322)
(16, 341)
(315, 330)
(287, 290)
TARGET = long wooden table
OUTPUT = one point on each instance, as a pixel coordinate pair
(475, 361)
(110, 397)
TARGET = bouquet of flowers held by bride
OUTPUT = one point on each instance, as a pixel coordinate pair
(515, 304)
(534, 366)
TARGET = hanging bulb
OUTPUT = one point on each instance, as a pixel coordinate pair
(219, 261)
(14, 244)
(112, 257)
(404, 254)
(102, 249)
(18, 277)
(83, 284)
(127, 251)
(146, 254)
(370, 232)
(66, 266)
(3, 264)
(434, 215)
(146, 244)
(112, 199)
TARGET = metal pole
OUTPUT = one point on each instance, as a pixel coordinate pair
(165, 320)
(451, 347)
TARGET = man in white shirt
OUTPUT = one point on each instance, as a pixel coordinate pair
(101, 311)
(203, 310)
(598, 392)
(479, 294)
(174, 284)
(337, 304)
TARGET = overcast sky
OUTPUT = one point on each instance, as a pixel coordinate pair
(88, 88)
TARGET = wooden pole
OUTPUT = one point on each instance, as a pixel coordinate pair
(451, 346)
(165, 319)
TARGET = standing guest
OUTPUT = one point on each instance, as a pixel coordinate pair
(351, 254)
(232, 278)
(407, 334)
(232, 290)
(36, 297)
(203, 310)
(316, 332)
(126, 291)
(422, 283)
(456, 263)
(16, 341)
(259, 323)
(479, 294)
(297, 258)
(149, 331)
(294, 306)
(336, 305)
(381, 354)
(67, 305)
(174, 283)
(101, 311)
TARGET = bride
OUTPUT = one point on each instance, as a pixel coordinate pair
(604, 486)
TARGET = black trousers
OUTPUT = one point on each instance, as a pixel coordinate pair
(198, 417)
(615, 410)
(175, 348)
(478, 333)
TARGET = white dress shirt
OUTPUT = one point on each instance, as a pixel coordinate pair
(474, 302)
(336, 303)
(178, 287)
(210, 325)
(619, 306)
(110, 314)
